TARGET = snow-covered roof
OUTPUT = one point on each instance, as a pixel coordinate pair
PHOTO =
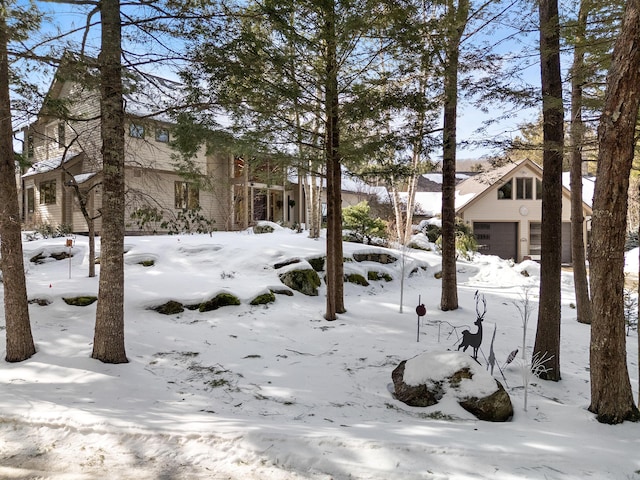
(430, 203)
(83, 177)
(151, 96)
(588, 187)
(48, 165)
(349, 183)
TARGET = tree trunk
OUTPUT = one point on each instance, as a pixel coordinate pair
(611, 395)
(335, 268)
(581, 285)
(411, 197)
(547, 343)
(19, 339)
(108, 342)
(92, 248)
(458, 19)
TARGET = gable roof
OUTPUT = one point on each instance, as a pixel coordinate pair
(144, 95)
(473, 188)
(478, 186)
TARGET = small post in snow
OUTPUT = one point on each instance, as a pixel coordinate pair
(69, 245)
(421, 310)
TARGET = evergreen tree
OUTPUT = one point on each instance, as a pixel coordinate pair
(581, 285)
(456, 18)
(19, 338)
(108, 341)
(547, 343)
(611, 395)
(294, 77)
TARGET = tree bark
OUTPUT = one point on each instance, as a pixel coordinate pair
(611, 395)
(108, 342)
(457, 23)
(580, 281)
(19, 339)
(547, 343)
(335, 268)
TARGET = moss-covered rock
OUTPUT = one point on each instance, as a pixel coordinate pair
(282, 291)
(263, 299)
(284, 263)
(263, 228)
(357, 279)
(317, 263)
(417, 270)
(37, 258)
(172, 307)
(147, 263)
(82, 301)
(61, 255)
(374, 276)
(43, 302)
(379, 257)
(304, 281)
(220, 300)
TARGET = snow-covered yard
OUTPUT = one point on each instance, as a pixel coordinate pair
(276, 392)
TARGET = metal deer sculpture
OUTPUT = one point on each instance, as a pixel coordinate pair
(474, 339)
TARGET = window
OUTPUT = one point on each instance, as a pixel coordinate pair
(48, 192)
(162, 135)
(30, 146)
(61, 135)
(524, 188)
(505, 191)
(538, 189)
(187, 195)
(30, 200)
(136, 130)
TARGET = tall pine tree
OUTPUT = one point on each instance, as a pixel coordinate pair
(611, 395)
(108, 341)
(547, 343)
(19, 338)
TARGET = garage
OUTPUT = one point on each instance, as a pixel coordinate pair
(497, 238)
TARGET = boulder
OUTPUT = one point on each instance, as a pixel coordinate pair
(424, 380)
(304, 281)
(379, 257)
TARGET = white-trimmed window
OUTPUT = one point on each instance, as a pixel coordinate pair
(136, 130)
(538, 189)
(524, 188)
(162, 135)
(48, 192)
(505, 192)
(61, 135)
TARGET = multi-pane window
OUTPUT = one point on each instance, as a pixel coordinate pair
(61, 135)
(538, 189)
(505, 192)
(162, 135)
(524, 188)
(136, 130)
(31, 200)
(30, 147)
(48, 192)
(187, 195)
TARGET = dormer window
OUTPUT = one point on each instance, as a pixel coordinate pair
(136, 130)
